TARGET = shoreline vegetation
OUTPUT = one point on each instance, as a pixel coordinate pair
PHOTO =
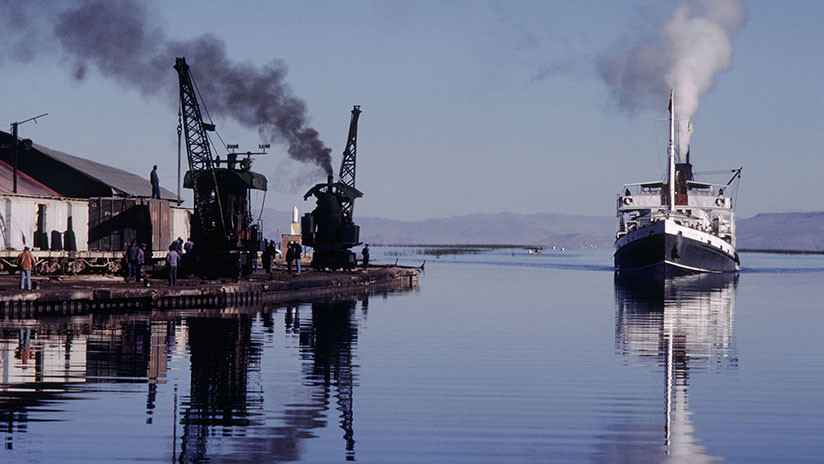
(451, 249)
(781, 252)
(457, 249)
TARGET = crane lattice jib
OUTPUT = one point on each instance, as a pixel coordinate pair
(347, 164)
(201, 165)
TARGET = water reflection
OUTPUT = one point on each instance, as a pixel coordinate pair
(221, 354)
(205, 369)
(677, 326)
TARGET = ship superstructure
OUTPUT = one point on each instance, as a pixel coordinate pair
(677, 225)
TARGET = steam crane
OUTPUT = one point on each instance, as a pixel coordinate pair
(347, 163)
(329, 228)
(222, 228)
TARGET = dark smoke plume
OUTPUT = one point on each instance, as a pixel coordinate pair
(118, 38)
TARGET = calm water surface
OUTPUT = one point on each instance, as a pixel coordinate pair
(498, 357)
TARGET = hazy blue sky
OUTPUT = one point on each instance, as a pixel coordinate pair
(467, 106)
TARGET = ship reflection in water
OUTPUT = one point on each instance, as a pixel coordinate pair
(210, 391)
(679, 325)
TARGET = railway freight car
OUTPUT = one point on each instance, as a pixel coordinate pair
(78, 235)
(78, 215)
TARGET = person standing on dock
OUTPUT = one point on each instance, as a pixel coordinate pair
(132, 256)
(172, 262)
(365, 256)
(155, 183)
(290, 255)
(298, 251)
(141, 259)
(267, 256)
(178, 246)
(26, 263)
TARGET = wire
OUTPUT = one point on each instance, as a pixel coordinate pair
(262, 203)
(206, 109)
(707, 173)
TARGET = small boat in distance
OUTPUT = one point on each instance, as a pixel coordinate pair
(679, 225)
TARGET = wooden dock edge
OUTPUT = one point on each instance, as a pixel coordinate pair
(57, 302)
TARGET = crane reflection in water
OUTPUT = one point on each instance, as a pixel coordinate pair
(224, 401)
(229, 405)
(679, 325)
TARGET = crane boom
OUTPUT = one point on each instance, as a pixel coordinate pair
(347, 163)
(201, 165)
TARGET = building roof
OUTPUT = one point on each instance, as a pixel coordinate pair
(77, 177)
(123, 183)
(25, 184)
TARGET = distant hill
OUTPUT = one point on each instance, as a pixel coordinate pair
(545, 229)
(781, 231)
(773, 231)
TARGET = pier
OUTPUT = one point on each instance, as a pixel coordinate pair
(67, 295)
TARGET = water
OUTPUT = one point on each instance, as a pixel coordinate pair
(498, 357)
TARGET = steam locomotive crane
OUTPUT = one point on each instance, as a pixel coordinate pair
(329, 228)
(347, 163)
(201, 165)
(222, 227)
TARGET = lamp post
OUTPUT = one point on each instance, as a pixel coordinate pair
(17, 144)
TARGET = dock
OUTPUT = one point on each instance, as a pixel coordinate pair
(82, 294)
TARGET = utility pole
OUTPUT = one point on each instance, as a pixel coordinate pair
(16, 144)
(179, 132)
(14, 148)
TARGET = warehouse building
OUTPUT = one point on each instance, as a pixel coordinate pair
(64, 202)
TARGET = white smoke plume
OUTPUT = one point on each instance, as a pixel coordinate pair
(689, 51)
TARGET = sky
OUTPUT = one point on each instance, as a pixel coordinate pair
(467, 106)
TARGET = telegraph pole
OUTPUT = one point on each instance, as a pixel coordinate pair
(16, 144)
(14, 148)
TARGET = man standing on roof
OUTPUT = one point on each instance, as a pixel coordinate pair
(155, 183)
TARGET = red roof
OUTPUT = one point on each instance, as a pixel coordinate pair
(25, 184)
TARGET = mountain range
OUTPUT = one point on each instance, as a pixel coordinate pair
(765, 231)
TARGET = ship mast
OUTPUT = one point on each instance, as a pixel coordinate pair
(671, 154)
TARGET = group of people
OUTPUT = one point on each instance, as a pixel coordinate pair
(136, 257)
(174, 257)
(270, 251)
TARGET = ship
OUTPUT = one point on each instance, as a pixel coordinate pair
(678, 225)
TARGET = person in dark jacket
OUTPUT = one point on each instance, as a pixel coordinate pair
(178, 244)
(155, 182)
(268, 255)
(365, 256)
(290, 255)
(172, 261)
(132, 255)
(298, 251)
(141, 259)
